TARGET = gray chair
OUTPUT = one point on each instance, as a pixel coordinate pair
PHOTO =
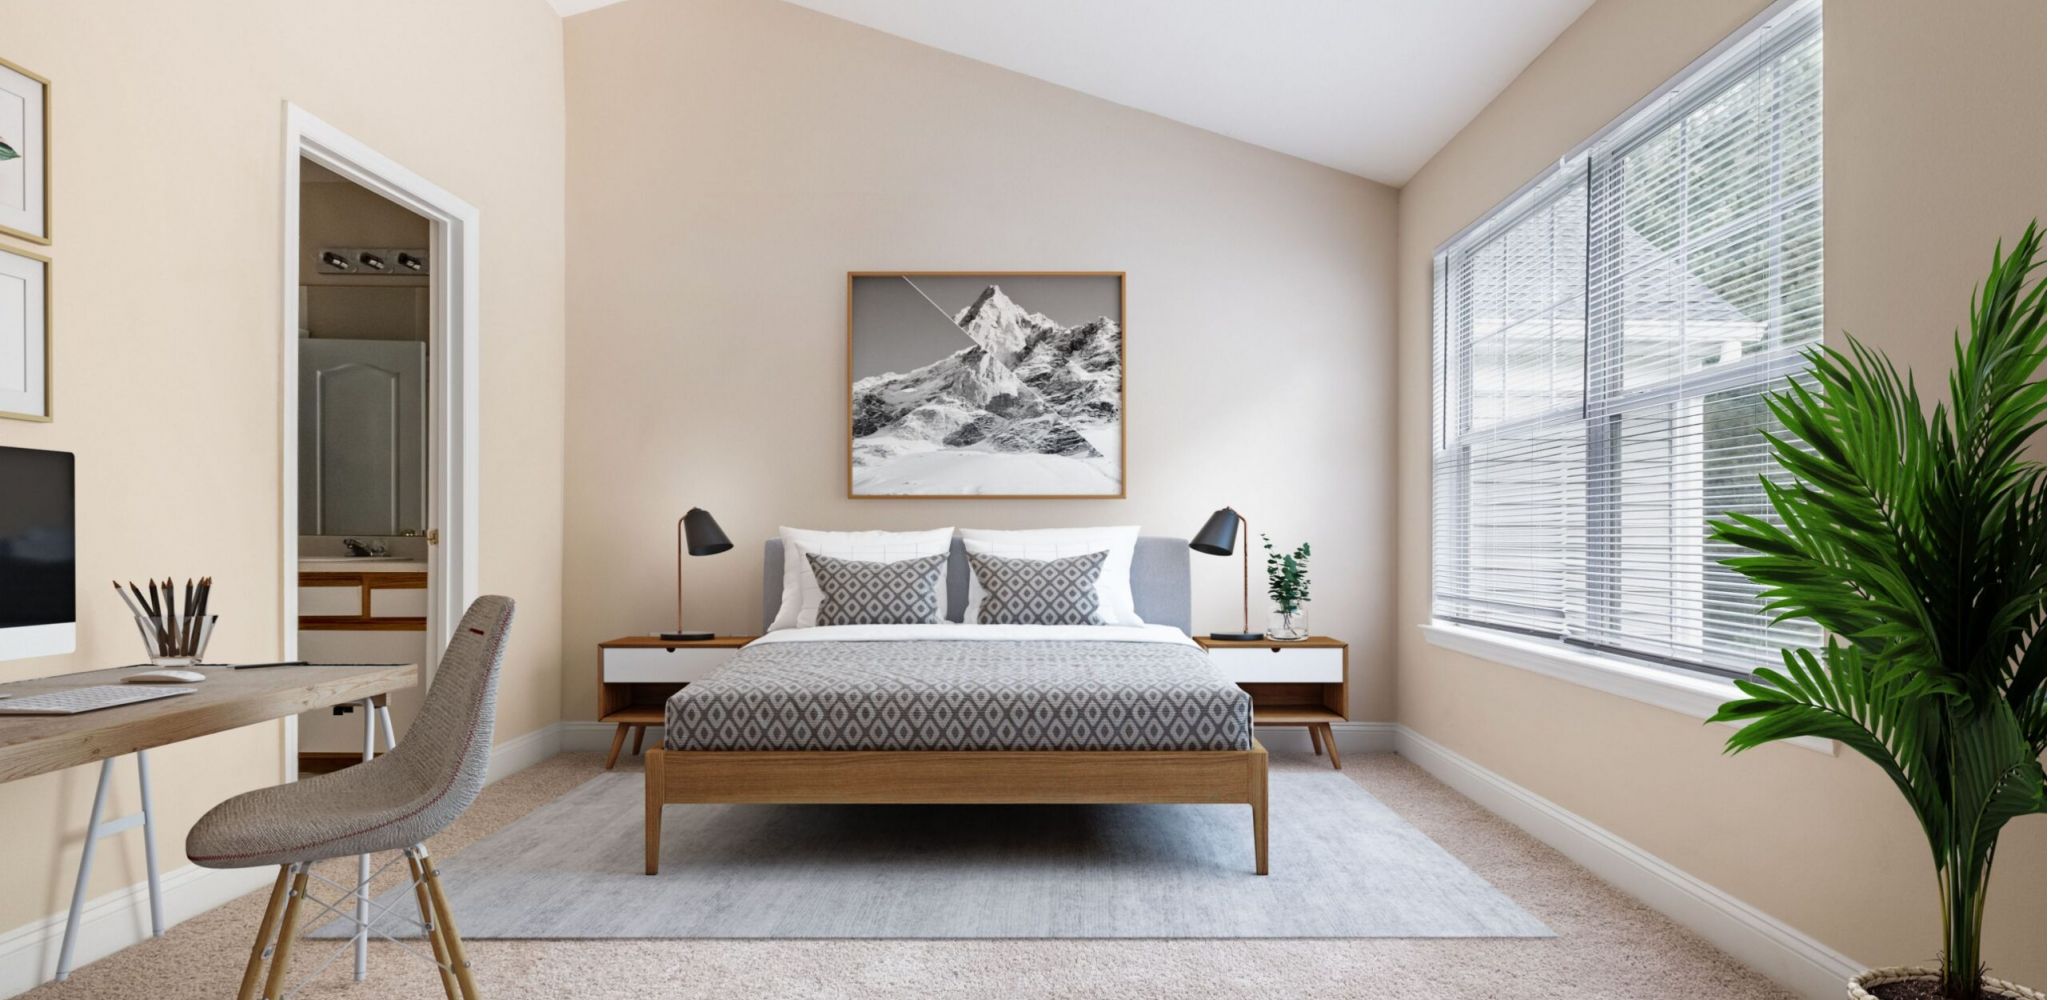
(394, 803)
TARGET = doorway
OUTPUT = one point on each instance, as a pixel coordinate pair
(379, 378)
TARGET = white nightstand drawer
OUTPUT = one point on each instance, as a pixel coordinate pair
(681, 665)
(1265, 665)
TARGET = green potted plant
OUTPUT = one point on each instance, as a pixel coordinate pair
(1916, 541)
(1287, 585)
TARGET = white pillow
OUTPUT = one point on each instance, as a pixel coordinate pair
(1112, 587)
(800, 592)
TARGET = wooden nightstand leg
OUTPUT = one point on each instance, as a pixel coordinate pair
(1330, 741)
(638, 733)
(618, 743)
(1315, 738)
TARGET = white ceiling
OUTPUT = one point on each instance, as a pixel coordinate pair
(1370, 87)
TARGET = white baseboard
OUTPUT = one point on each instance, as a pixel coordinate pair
(28, 954)
(1755, 938)
(521, 752)
(109, 923)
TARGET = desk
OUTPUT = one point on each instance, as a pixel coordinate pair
(228, 699)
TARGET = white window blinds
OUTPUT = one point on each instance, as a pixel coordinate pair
(1604, 342)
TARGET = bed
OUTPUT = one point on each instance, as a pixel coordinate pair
(918, 714)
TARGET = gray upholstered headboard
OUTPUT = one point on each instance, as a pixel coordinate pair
(1159, 581)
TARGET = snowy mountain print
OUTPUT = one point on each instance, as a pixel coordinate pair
(1021, 404)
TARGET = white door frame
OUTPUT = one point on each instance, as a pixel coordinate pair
(452, 379)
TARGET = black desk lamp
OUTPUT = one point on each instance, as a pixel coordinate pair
(1219, 538)
(701, 535)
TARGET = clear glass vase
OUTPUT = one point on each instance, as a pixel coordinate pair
(1288, 626)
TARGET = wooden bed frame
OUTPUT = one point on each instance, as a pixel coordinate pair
(1159, 586)
(904, 777)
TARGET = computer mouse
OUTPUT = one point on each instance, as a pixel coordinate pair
(165, 677)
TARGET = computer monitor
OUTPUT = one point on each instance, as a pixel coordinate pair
(38, 554)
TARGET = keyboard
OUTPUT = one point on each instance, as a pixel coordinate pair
(87, 699)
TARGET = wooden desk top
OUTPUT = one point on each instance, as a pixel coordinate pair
(227, 699)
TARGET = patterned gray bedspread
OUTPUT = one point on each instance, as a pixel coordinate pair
(962, 695)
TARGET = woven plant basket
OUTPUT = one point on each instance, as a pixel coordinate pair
(1859, 986)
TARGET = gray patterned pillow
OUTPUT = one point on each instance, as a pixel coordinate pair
(1039, 591)
(879, 593)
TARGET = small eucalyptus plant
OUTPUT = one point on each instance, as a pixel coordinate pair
(1286, 577)
(7, 152)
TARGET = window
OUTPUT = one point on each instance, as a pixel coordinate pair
(1604, 342)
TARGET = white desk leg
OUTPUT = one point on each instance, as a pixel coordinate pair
(156, 896)
(96, 829)
(363, 860)
(99, 803)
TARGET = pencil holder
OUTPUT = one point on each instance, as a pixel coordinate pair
(175, 642)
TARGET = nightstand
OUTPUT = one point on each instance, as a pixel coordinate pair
(637, 674)
(1305, 683)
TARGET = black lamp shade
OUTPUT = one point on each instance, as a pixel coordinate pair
(1219, 536)
(701, 534)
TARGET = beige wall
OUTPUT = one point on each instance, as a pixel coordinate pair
(1934, 147)
(167, 124)
(729, 161)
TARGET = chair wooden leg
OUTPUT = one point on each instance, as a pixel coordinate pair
(618, 743)
(638, 732)
(1258, 800)
(445, 920)
(281, 959)
(1315, 738)
(656, 768)
(433, 927)
(1330, 742)
(264, 931)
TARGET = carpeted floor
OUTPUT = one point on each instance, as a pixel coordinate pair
(1608, 946)
(1343, 866)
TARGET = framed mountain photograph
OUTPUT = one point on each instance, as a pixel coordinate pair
(994, 384)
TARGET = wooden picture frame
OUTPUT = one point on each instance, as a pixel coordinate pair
(30, 167)
(25, 333)
(1050, 446)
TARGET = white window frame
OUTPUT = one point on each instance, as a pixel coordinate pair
(1693, 693)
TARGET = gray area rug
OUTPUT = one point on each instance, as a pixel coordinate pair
(1343, 865)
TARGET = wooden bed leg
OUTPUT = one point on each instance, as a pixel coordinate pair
(1258, 800)
(655, 790)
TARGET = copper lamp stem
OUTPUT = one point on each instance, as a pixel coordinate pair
(1247, 554)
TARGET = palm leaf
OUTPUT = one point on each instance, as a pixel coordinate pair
(1917, 540)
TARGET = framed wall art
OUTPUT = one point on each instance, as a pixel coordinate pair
(24, 335)
(24, 154)
(993, 384)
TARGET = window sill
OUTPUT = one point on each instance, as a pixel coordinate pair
(1688, 695)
